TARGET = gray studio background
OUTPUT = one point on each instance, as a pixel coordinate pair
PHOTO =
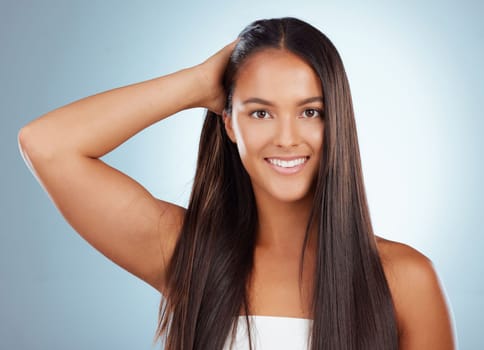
(416, 75)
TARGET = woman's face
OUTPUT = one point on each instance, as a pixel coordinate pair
(277, 123)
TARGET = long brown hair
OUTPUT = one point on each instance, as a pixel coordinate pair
(209, 274)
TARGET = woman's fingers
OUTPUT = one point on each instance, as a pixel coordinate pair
(211, 71)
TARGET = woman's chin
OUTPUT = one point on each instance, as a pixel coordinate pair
(283, 192)
(290, 196)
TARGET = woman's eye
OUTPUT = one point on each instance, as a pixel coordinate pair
(260, 114)
(312, 113)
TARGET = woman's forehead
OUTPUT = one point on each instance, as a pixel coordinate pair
(275, 74)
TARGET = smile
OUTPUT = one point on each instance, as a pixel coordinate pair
(287, 166)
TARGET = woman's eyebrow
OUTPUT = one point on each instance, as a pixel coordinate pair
(269, 103)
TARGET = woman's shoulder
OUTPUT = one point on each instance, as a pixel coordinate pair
(405, 267)
(420, 303)
(398, 255)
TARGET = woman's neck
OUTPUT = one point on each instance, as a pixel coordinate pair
(282, 225)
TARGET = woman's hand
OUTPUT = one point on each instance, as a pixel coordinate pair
(211, 73)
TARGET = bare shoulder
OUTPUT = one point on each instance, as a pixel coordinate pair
(399, 259)
(423, 315)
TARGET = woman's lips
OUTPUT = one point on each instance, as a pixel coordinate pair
(287, 165)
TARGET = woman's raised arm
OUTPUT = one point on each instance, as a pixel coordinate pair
(109, 209)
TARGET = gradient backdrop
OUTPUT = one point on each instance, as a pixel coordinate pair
(416, 74)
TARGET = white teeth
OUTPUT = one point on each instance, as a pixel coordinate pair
(287, 164)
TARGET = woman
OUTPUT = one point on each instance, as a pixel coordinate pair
(277, 226)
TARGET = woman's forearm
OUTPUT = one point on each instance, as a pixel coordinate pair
(95, 125)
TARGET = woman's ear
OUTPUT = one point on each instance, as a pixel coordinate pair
(228, 126)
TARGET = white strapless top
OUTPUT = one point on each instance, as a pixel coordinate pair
(272, 333)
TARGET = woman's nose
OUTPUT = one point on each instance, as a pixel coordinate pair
(287, 134)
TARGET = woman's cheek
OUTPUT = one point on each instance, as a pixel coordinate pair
(313, 132)
(254, 138)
